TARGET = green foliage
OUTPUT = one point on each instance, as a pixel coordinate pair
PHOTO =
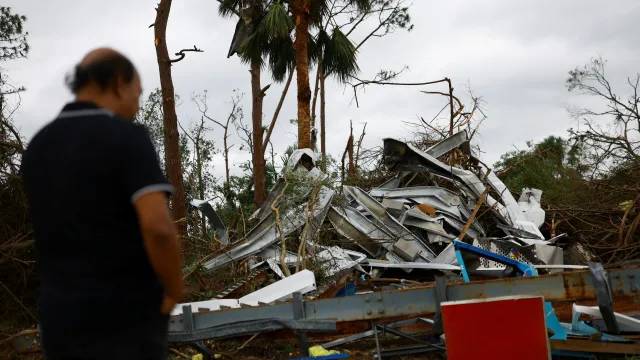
(340, 57)
(13, 37)
(551, 165)
(17, 271)
(150, 115)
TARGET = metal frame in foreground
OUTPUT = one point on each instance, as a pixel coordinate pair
(562, 289)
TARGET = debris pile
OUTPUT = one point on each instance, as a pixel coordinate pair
(393, 226)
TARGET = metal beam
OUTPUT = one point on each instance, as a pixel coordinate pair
(561, 287)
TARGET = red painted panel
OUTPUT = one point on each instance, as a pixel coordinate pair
(498, 329)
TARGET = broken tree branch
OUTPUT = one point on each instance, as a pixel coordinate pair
(276, 211)
(181, 54)
(360, 144)
(277, 112)
(479, 203)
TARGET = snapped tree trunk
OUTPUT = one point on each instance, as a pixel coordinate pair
(201, 188)
(352, 168)
(323, 134)
(170, 119)
(226, 154)
(258, 154)
(300, 10)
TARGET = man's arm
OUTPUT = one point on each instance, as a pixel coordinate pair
(161, 241)
(148, 189)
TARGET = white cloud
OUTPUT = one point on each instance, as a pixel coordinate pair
(514, 54)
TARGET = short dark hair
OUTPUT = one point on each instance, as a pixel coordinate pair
(104, 72)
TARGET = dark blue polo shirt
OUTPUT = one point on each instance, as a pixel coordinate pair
(81, 173)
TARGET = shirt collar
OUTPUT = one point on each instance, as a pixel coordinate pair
(83, 108)
(79, 105)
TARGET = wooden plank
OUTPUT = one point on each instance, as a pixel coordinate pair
(595, 346)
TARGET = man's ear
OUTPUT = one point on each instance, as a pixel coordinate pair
(119, 87)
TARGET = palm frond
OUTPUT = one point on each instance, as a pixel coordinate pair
(320, 41)
(276, 23)
(253, 49)
(340, 57)
(281, 59)
(318, 12)
(362, 5)
(313, 50)
(229, 8)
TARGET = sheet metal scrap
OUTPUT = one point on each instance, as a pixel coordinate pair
(206, 208)
(530, 251)
(408, 245)
(266, 232)
(356, 228)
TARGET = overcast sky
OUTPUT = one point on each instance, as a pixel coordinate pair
(515, 54)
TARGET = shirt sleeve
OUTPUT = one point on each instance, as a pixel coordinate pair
(141, 172)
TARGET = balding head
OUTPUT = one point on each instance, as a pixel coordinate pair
(108, 79)
(99, 54)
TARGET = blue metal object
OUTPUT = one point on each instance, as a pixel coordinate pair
(348, 290)
(559, 332)
(522, 269)
(463, 267)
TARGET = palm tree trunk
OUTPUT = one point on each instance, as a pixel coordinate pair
(323, 134)
(301, 13)
(258, 154)
(170, 120)
(316, 89)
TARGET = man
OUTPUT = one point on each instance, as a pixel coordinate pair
(106, 246)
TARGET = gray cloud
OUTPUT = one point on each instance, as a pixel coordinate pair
(514, 54)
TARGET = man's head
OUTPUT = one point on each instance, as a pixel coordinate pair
(108, 79)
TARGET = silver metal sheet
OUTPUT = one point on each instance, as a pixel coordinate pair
(314, 224)
(515, 212)
(266, 233)
(411, 265)
(529, 203)
(335, 260)
(457, 140)
(357, 228)
(297, 155)
(447, 256)
(401, 156)
(206, 208)
(408, 246)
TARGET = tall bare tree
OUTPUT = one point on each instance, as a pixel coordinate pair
(172, 137)
(610, 127)
(203, 151)
(234, 113)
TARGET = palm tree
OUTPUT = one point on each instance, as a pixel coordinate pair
(337, 57)
(308, 13)
(263, 31)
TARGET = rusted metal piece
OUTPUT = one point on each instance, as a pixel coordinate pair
(353, 313)
(335, 288)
